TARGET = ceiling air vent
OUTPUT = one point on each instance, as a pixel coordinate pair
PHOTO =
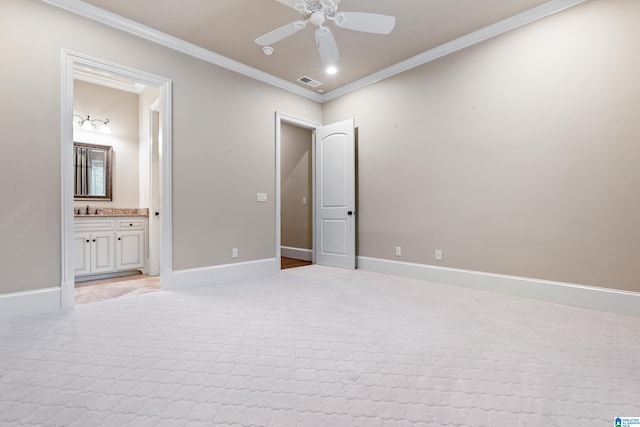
(309, 81)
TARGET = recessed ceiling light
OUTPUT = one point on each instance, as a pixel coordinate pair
(332, 70)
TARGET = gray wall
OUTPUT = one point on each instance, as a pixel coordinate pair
(296, 180)
(223, 150)
(121, 108)
(520, 155)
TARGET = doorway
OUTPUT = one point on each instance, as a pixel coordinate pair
(333, 199)
(296, 204)
(160, 195)
(295, 181)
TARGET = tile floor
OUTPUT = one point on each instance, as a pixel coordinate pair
(317, 346)
(100, 290)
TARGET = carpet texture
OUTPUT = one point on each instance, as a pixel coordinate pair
(317, 346)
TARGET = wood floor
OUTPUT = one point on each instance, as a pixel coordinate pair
(292, 263)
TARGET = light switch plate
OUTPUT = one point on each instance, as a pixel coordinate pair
(262, 197)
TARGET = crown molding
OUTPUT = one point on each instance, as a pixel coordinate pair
(132, 27)
(455, 45)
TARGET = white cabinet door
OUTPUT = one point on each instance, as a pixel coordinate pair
(102, 252)
(129, 249)
(82, 253)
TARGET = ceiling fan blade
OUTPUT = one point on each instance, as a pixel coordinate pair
(289, 3)
(280, 33)
(327, 47)
(367, 22)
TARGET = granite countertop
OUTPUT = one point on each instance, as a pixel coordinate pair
(102, 212)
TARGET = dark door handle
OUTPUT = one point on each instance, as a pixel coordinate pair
(349, 213)
(157, 213)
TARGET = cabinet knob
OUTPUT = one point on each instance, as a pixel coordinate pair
(350, 213)
(157, 213)
(119, 238)
(130, 225)
(94, 240)
(87, 240)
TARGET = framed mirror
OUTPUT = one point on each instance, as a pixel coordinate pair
(92, 171)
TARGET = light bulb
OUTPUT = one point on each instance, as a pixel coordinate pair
(86, 124)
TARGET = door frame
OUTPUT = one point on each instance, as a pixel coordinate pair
(70, 60)
(306, 124)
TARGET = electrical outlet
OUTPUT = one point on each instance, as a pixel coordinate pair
(234, 253)
(398, 251)
(438, 254)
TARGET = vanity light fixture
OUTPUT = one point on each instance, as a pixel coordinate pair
(91, 124)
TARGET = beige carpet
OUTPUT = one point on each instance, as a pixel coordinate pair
(317, 346)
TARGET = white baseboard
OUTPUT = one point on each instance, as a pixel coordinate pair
(591, 297)
(29, 303)
(296, 253)
(224, 273)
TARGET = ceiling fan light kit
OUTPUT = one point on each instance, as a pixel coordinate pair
(318, 12)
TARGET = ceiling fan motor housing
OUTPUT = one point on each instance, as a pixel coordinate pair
(308, 8)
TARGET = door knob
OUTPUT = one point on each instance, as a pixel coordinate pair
(349, 213)
(157, 213)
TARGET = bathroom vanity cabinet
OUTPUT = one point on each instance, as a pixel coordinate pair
(105, 245)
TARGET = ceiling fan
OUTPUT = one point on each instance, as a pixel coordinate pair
(318, 12)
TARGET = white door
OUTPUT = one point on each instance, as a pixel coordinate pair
(335, 228)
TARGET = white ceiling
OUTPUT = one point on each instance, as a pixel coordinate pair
(229, 28)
